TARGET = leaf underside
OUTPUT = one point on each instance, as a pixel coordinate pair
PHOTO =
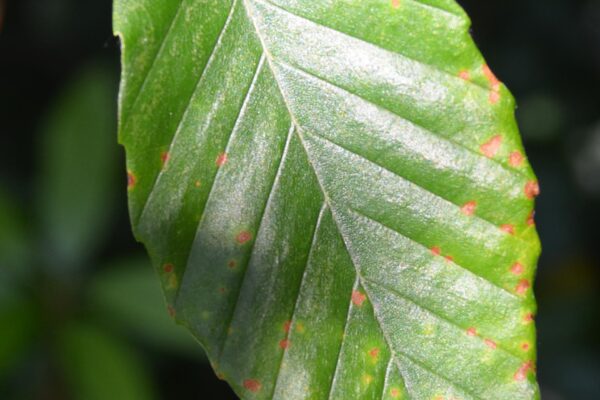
(335, 195)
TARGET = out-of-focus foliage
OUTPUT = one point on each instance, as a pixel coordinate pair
(67, 318)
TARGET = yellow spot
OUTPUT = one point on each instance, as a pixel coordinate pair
(300, 327)
(197, 184)
(429, 329)
(172, 282)
(367, 379)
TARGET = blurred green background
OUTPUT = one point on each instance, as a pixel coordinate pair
(81, 313)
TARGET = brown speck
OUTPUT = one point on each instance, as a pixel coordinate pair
(221, 159)
(464, 74)
(491, 147)
(131, 180)
(517, 268)
(531, 218)
(168, 268)
(252, 385)
(528, 318)
(221, 376)
(358, 298)
(436, 251)
(284, 343)
(395, 3)
(472, 331)
(469, 208)
(522, 286)
(243, 237)
(515, 159)
(232, 264)
(491, 344)
(171, 311)
(521, 373)
(508, 228)
(286, 326)
(222, 290)
(532, 190)
(164, 157)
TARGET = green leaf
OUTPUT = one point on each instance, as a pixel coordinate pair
(127, 296)
(15, 239)
(99, 366)
(19, 321)
(335, 195)
(77, 180)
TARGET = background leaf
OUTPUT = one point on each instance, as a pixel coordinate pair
(341, 206)
(128, 296)
(98, 366)
(77, 184)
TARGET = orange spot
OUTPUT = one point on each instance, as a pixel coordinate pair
(131, 180)
(395, 3)
(374, 352)
(508, 228)
(491, 344)
(164, 157)
(531, 218)
(243, 237)
(221, 159)
(464, 74)
(494, 97)
(436, 251)
(523, 286)
(395, 393)
(528, 318)
(252, 385)
(515, 159)
(171, 311)
(197, 184)
(494, 82)
(532, 189)
(469, 208)
(232, 264)
(525, 346)
(284, 343)
(449, 258)
(358, 298)
(472, 331)
(286, 326)
(517, 268)
(168, 268)
(491, 147)
(521, 373)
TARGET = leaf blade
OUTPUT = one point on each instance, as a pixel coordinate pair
(444, 185)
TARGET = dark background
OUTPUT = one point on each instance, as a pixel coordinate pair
(548, 54)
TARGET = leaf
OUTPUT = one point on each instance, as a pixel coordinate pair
(335, 195)
(127, 295)
(78, 153)
(99, 366)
